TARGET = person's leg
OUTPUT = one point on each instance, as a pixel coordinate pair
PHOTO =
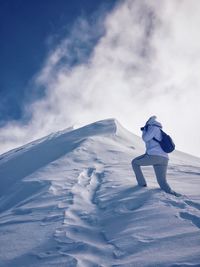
(138, 172)
(161, 171)
(144, 160)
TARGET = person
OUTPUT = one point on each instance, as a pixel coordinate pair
(154, 156)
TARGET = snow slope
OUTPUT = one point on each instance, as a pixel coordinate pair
(71, 199)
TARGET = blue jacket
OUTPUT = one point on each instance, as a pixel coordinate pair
(151, 130)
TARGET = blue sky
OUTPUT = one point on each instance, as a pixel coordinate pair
(28, 30)
(69, 63)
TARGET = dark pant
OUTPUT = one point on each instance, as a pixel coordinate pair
(160, 167)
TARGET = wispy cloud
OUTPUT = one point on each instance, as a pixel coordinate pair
(140, 59)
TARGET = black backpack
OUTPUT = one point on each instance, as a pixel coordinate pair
(166, 142)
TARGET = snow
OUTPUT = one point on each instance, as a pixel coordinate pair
(71, 199)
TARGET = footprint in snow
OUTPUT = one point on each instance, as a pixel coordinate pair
(191, 217)
(189, 207)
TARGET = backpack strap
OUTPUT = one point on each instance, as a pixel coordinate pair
(156, 140)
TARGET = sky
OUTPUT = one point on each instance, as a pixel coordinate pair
(69, 63)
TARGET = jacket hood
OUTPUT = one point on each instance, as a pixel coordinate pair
(152, 121)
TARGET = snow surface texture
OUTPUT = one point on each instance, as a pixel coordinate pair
(71, 199)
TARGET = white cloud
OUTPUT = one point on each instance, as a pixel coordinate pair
(145, 63)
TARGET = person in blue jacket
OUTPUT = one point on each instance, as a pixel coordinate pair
(154, 156)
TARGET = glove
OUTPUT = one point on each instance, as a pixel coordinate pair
(145, 128)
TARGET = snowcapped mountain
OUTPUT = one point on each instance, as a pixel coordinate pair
(71, 199)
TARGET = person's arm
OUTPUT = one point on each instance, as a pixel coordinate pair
(149, 134)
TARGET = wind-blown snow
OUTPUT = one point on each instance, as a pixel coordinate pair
(71, 199)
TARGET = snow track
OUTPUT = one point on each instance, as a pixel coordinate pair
(187, 209)
(82, 230)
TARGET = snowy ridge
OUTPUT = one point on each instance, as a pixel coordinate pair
(71, 199)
